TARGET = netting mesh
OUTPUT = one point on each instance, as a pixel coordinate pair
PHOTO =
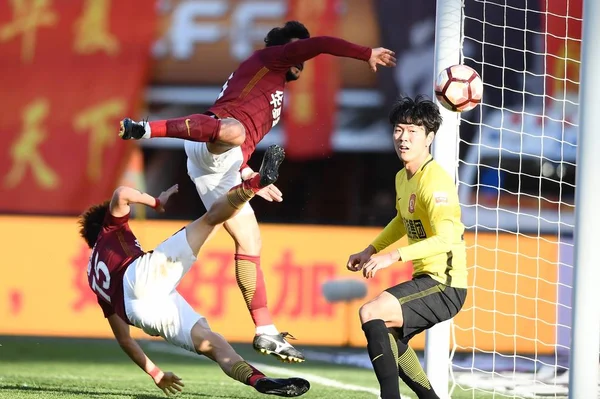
(517, 184)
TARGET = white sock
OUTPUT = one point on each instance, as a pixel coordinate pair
(148, 133)
(269, 330)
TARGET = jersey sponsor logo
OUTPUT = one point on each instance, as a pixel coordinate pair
(411, 203)
(440, 197)
(414, 229)
(276, 102)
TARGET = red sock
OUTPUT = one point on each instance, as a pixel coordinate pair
(243, 192)
(245, 373)
(252, 184)
(256, 375)
(197, 127)
(251, 281)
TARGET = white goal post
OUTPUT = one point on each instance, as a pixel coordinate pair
(448, 42)
(531, 325)
(583, 381)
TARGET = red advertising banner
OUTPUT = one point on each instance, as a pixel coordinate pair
(69, 72)
(311, 101)
(511, 306)
(563, 23)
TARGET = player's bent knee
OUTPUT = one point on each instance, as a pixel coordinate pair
(205, 340)
(232, 132)
(201, 337)
(382, 308)
(368, 312)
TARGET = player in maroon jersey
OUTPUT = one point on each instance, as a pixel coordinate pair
(220, 141)
(139, 288)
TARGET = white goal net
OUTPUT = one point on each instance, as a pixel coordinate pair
(516, 184)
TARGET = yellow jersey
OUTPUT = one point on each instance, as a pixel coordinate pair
(429, 213)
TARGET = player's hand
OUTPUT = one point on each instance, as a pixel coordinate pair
(168, 382)
(164, 197)
(378, 262)
(358, 260)
(381, 56)
(270, 193)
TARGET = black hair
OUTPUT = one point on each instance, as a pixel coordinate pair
(283, 35)
(421, 112)
(90, 222)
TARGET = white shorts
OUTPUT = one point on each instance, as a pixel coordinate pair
(214, 175)
(152, 302)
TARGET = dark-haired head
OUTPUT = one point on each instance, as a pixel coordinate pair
(283, 35)
(90, 222)
(420, 112)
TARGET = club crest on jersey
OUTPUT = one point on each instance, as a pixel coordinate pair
(411, 203)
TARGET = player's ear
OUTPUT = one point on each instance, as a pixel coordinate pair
(429, 138)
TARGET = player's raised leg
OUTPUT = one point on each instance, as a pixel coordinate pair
(215, 347)
(227, 206)
(197, 127)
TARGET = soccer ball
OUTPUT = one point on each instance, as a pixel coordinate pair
(459, 88)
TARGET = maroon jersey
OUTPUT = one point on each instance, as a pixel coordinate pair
(115, 249)
(253, 94)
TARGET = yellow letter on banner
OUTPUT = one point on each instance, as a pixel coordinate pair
(96, 121)
(25, 152)
(92, 31)
(28, 16)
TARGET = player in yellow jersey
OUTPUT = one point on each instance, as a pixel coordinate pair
(429, 214)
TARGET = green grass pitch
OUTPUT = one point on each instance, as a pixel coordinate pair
(32, 367)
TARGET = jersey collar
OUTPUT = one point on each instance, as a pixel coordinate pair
(425, 163)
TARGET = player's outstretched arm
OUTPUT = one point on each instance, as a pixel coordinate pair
(124, 196)
(297, 52)
(166, 381)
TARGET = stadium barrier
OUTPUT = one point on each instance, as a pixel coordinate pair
(44, 291)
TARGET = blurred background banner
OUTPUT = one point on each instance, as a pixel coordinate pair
(202, 41)
(412, 41)
(70, 71)
(296, 264)
(563, 40)
(311, 101)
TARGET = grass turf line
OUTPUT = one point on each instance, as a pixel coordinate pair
(32, 367)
